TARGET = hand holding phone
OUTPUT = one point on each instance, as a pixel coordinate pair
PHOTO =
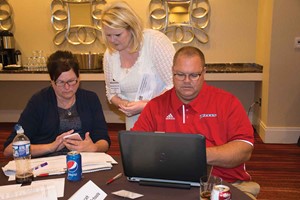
(73, 136)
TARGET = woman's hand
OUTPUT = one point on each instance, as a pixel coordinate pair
(132, 108)
(80, 145)
(58, 143)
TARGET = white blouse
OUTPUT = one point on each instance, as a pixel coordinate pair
(154, 64)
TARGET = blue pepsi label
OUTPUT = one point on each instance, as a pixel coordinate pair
(21, 149)
(74, 166)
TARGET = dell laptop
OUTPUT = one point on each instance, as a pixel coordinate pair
(163, 159)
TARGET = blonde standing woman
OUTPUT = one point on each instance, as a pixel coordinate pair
(137, 62)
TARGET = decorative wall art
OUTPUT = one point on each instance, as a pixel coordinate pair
(83, 28)
(6, 21)
(181, 20)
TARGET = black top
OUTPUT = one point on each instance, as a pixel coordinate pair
(40, 118)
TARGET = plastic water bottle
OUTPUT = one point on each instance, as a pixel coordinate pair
(22, 156)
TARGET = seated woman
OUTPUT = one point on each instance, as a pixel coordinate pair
(60, 110)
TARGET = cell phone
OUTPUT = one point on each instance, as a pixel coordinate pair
(73, 136)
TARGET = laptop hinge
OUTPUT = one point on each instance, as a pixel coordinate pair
(165, 184)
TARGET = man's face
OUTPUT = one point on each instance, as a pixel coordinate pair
(188, 77)
(66, 85)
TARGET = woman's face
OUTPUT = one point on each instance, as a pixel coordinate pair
(66, 85)
(119, 39)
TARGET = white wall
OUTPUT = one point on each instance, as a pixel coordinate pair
(277, 29)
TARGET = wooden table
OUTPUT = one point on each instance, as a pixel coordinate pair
(149, 192)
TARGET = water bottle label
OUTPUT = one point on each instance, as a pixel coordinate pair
(21, 150)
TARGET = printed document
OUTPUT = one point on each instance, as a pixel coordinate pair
(91, 161)
(45, 189)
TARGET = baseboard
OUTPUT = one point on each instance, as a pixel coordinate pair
(278, 135)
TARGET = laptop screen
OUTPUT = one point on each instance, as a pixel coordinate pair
(176, 158)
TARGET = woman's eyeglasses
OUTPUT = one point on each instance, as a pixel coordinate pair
(63, 83)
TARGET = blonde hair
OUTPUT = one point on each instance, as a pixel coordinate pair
(119, 15)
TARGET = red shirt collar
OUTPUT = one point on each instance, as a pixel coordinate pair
(176, 103)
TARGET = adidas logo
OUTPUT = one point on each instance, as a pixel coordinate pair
(170, 117)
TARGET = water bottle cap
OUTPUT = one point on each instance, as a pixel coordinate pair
(19, 128)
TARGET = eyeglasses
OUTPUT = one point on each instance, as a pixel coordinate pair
(193, 76)
(63, 83)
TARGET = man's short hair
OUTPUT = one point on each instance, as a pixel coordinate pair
(189, 51)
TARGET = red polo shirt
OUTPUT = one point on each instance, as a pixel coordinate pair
(215, 113)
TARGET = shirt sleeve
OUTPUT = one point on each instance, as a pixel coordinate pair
(107, 75)
(92, 117)
(162, 54)
(239, 125)
(146, 120)
(30, 119)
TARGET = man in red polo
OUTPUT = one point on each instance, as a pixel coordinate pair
(192, 106)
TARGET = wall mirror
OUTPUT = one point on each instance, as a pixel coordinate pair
(181, 20)
(76, 21)
(6, 21)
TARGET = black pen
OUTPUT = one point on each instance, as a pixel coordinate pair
(114, 178)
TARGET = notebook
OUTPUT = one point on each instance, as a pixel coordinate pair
(163, 159)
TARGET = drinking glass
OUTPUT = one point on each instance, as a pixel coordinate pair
(207, 184)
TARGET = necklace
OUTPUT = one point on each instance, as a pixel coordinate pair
(69, 111)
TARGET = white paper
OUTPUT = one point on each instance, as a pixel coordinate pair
(91, 161)
(150, 86)
(145, 91)
(59, 184)
(89, 191)
(45, 192)
(127, 194)
(43, 189)
(6, 188)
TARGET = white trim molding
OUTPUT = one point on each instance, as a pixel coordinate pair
(279, 135)
(14, 115)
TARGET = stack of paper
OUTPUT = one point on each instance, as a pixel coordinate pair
(57, 164)
(45, 189)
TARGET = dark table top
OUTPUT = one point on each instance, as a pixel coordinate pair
(149, 192)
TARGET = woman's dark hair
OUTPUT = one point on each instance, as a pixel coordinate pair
(61, 61)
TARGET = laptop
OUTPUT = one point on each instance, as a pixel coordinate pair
(163, 159)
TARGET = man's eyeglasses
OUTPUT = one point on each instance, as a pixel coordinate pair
(63, 83)
(193, 76)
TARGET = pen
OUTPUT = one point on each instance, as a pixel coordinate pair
(50, 174)
(114, 178)
(40, 165)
